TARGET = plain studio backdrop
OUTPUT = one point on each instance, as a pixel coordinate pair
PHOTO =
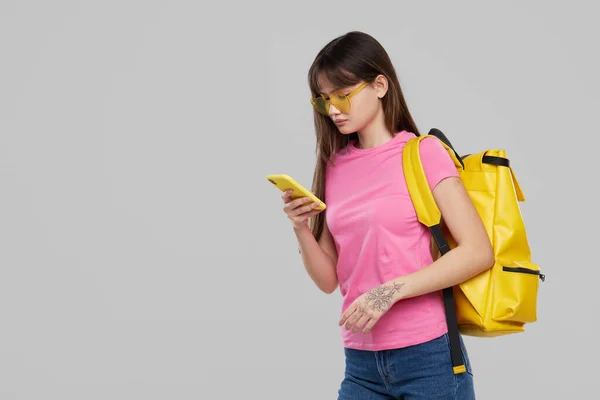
(143, 253)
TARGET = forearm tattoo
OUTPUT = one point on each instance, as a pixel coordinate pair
(381, 298)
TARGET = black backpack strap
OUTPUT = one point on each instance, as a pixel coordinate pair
(440, 135)
(458, 363)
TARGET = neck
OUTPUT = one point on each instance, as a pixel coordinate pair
(375, 133)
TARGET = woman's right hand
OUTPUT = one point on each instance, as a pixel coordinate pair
(299, 210)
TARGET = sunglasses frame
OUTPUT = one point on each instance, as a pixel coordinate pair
(343, 101)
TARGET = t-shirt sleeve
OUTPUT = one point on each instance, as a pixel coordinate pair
(437, 163)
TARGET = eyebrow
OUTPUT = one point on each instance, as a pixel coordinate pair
(335, 89)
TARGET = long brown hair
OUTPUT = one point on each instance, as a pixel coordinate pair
(346, 61)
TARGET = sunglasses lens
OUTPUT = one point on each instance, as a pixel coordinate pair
(341, 102)
(320, 104)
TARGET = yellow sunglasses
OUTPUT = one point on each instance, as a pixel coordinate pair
(339, 101)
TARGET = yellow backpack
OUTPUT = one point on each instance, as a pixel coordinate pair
(503, 299)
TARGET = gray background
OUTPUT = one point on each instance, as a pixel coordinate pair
(144, 255)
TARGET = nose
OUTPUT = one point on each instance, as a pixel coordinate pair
(333, 110)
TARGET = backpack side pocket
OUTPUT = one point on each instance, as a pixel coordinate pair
(515, 292)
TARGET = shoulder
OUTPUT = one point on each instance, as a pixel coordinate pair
(432, 147)
(437, 162)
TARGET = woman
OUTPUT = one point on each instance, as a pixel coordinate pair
(368, 241)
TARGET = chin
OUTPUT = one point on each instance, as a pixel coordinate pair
(346, 129)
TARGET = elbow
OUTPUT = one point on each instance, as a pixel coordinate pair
(488, 261)
(486, 256)
(481, 256)
(328, 287)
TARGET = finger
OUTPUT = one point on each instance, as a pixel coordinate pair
(304, 209)
(346, 314)
(300, 202)
(287, 196)
(361, 323)
(313, 213)
(302, 218)
(292, 205)
(369, 326)
(299, 206)
(352, 320)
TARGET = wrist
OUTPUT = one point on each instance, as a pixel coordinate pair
(397, 288)
(302, 230)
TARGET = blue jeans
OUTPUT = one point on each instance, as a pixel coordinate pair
(420, 372)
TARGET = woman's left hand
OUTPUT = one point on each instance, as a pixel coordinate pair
(369, 307)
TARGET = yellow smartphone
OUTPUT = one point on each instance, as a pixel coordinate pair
(285, 182)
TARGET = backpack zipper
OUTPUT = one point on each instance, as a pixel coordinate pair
(525, 271)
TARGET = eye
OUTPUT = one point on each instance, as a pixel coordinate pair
(343, 92)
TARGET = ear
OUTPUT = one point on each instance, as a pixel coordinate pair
(381, 86)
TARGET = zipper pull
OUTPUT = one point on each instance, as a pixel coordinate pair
(543, 277)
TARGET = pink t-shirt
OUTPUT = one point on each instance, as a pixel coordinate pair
(378, 237)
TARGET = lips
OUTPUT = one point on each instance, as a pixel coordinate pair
(340, 121)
